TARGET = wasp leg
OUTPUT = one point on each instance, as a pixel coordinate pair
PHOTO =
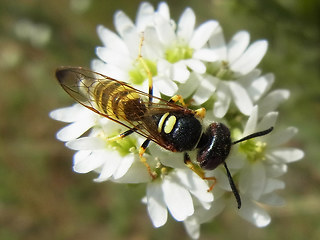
(196, 169)
(177, 98)
(122, 135)
(146, 68)
(142, 150)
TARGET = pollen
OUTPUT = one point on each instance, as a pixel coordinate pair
(254, 150)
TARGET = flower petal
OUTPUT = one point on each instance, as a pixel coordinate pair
(71, 114)
(164, 30)
(196, 185)
(88, 163)
(250, 58)
(74, 130)
(144, 16)
(222, 104)
(281, 136)
(205, 54)
(272, 199)
(237, 45)
(241, 98)
(287, 155)
(177, 198)
(87, 143)
(260, 86)
(111, 40)
(272, 101)
(205, 89)
(179, 72)
(202, 34)
(112, 56)
(124, 166)
(156, 205)
(195, 65)
(254, 214)
(122, 23)
(218, 44)
(186, 25)
(251, 124)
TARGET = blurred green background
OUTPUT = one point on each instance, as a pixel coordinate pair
(40, 196)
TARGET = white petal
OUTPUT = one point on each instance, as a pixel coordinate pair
(179, 72)
(202, 34)
(272, 185)
(222, 104)
(109, 70)
(137, 173)
(196, 185)
(240, 97)
(109, 167)
(186, 25)
(254, 214)
(252, 180)
(164, 30)
(111, 40)
(287, 155)
(250, 58)
(156, 206)
(252, 122)
(124, 166)
(195, 65)
(74, 130)
(260, 86)
(122, 23)
(165, 86)
(87, 143)
(90, 163)
(192, 227)
(267, 121)
(272, 199)
(276, 170)
(272, 101)
(112, 56)
(163, 10)
(71, 114)
(280, 137)
(237, 45)
(217, 44)
(144, 15)
(177, 198)
(206, 88)
(205, 54)
(189, 87)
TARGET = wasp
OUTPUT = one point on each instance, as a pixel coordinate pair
(172, 126)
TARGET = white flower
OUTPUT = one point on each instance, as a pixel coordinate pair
(176, 191)
(196, 63)
(170, 52)
(80, 119)
(265, 161)
(232, 62)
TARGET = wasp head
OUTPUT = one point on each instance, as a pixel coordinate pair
(214, 146)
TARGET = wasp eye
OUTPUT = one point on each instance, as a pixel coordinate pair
(214, 146)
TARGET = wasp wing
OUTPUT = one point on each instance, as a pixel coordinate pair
(80, 84)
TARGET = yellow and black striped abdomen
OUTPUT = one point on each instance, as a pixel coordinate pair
(119, 101)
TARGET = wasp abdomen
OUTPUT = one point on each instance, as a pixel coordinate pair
(119, 101)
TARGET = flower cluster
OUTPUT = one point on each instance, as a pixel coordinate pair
(197, 63)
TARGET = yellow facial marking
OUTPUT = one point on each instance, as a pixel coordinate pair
(162, 119)
(170, 124)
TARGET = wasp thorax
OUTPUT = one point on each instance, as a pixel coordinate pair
(214, 146)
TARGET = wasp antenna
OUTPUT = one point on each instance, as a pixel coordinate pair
(254, 135)
(233, 186)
